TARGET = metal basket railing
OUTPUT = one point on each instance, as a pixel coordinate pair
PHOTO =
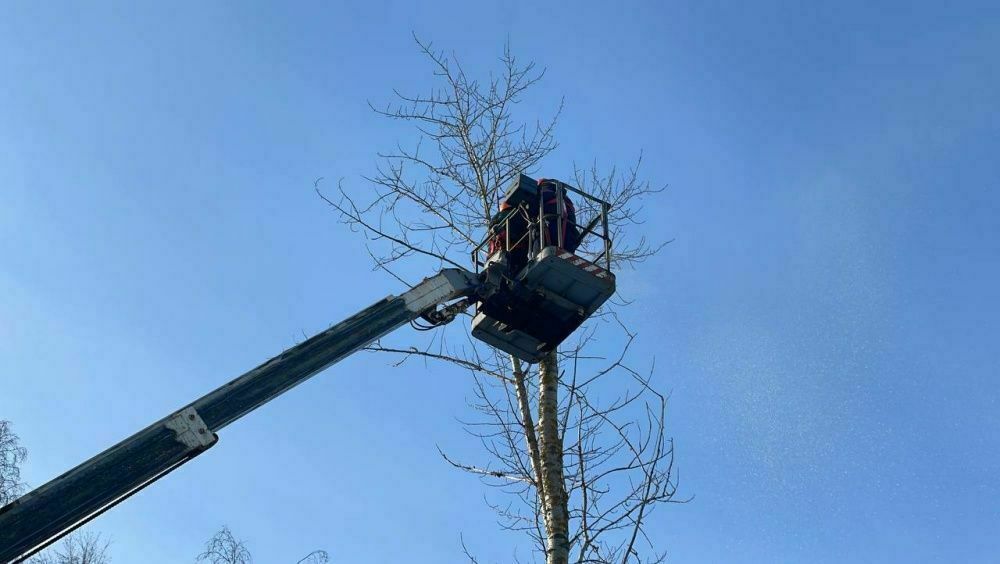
(537, 232)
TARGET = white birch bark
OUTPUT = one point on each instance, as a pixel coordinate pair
(528, 424)
(551, 451)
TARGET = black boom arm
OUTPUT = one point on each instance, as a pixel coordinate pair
(45, 514)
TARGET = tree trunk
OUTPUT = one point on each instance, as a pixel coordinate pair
(550, 445)
(528, 424)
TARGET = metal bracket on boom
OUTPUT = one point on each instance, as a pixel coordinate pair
(190, 429)
(446, 314)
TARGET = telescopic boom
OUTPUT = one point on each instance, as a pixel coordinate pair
(45, 514)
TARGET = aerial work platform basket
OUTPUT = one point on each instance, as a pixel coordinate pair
(543, 288)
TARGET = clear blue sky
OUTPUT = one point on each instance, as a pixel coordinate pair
(827, 318)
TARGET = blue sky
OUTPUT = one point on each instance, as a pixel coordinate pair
(826, 318)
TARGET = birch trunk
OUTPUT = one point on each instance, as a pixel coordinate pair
(528, 424)
(551, 450)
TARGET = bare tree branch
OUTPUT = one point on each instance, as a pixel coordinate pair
(77, 548)
(12, 455)
(224, 548)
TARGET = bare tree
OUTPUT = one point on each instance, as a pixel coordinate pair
(12, 455)
(315, 557)
(224, 548)
(583, 470)
(78, 548)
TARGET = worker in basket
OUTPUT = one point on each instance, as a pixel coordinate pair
(556, 221)
(511, 225)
